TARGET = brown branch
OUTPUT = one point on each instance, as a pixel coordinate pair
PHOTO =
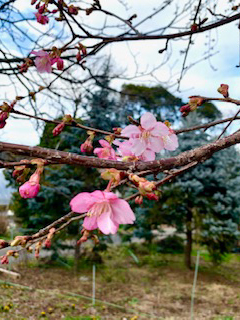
(172, 35)
(73, 124)
(199, 154)
(206, 125)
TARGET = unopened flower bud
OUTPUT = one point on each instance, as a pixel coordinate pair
(139, 200)
(152, 196)
(223, 89)
(47, 243)
(117, 130)
(42, 9)
(4, 259)
(73, 10)
(194, 27)
(2, 124)
(58, 129)
(3, 116)
(79, 56)
(60, 64)
(185, 110)
(87, 146)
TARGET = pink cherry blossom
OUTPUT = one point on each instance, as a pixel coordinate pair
(147, 135)
(30, 188)
(104, 211)
(41, 18)
(106, 152)
(43, 61)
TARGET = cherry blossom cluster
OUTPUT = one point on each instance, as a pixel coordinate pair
(42, 7)
(104, 210)
(145, 140)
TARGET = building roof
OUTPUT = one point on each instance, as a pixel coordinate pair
(5, 192)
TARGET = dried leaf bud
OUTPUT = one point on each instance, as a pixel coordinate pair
(117, 130)
(67, 118)
(19, 97)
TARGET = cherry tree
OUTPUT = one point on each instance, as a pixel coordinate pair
(59, 60)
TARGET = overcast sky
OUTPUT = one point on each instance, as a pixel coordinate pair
(203, 78)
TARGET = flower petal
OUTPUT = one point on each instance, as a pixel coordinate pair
(90, 223)
(131, 131)
(82, 202)
(171, 142)
(148, 155)
(155, 144)
(97, 195)
(122, 212)
(138, 146)
(109, 195)
(160, 129)
(106, 224)
(104, 143)
(148, 121)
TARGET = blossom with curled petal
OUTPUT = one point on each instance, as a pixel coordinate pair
(125, 149)
(41, 18)
(105, 211)
(106, 152)
(43, 61)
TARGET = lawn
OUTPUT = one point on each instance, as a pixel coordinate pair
(157, 287)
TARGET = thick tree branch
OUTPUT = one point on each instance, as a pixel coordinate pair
(198, 154)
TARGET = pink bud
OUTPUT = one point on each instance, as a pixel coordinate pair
(79, 56)
(223, 89)
(86, 146)
(185, 108)
(42, 9)
(152, 196)
(60, 64)
(4, 260)
(73, 10)
(58, 129)
(2, 124)
(3, 116)
(41, 18)
(29, 190)
(84, 51)
(33, 2)
(139, 200)
(47, 243)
